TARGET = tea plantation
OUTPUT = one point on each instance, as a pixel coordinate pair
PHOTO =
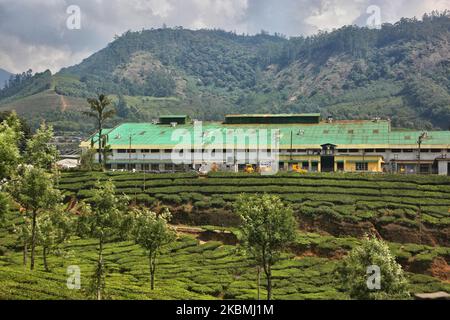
(405, 200)
(197, 268)
(189, 269)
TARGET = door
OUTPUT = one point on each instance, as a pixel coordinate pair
(327, 163)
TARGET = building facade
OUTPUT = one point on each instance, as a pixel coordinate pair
(176, 143)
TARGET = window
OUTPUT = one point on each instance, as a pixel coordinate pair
(407, 150)
(362, 166)
(436, 150)
(145, 151)
(380, 150)
(353, 150)
(351, 131)
(376, 131)
(154, 151)
(370, 150)
(120, 166)
(132, 150)
(396, 150)
(121, 151)
(343, 150)
(168, 151)
(154, 167)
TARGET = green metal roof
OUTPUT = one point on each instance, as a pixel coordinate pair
(341, 133)
(281, 115)
(307, 118)
(178, 116)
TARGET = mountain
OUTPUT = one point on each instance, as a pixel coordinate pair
(4, 76)
(401, 72)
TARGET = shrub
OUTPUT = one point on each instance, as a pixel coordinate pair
(353, 272)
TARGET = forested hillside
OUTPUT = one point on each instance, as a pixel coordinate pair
(401, 72)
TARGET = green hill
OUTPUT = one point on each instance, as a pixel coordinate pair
(401, 71)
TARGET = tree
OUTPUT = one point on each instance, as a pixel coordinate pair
(152, 232)
(19, 125)
(23, 232)
(267, 227)
(4, 205)
(356, 269)
(100, 113)
(55, 228)
(104, 220)
(34, 191)
(87, 160)
(122, 108)
(9, 150)
(39, 151)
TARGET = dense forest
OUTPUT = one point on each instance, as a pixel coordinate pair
(401, 72)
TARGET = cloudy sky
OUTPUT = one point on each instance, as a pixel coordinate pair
(34, 33)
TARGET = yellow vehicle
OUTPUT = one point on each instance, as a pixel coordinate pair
(249, 169)
(298, 169)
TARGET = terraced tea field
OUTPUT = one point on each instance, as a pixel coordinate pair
(190, 269)
(206, 262)
(400, 208)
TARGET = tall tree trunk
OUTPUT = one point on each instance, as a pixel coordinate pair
(100, 129)
(44, 256)
(25, 253)
(269, 282)
(152, 271)
(100, 270)
(259, 283)
(33, 239)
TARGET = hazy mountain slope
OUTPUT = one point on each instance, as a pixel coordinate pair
(4, 76)
(401, 71)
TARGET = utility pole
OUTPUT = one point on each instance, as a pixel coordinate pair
(144, 169)
(129, 156)
(419, 142)
(292, 145)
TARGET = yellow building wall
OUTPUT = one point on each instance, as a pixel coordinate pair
(374, 162)
(372, 167)
(350, 163)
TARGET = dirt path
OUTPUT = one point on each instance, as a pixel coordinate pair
(64, 104)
